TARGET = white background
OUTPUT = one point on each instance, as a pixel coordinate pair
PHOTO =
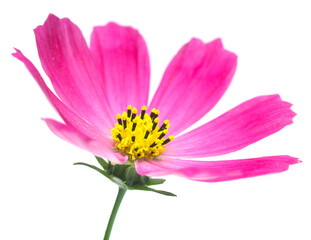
(43, 196)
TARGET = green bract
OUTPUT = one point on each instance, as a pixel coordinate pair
(126, 177)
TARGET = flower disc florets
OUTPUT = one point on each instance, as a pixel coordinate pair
(140, 136)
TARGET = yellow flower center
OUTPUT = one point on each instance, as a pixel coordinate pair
(140, 136)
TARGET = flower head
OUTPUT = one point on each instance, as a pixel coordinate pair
(103, 93)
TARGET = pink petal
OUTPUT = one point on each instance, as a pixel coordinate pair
(68, 62)
(216, 171)
(97, 147)
(243, 125)
(122, 57)
(194, 81)
(70, 117)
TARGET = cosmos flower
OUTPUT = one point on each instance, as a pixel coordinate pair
(102, 97)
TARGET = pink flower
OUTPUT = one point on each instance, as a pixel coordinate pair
(94, 84)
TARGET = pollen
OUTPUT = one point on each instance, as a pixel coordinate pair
(140, 136)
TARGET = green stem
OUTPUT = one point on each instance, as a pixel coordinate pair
(114, 212)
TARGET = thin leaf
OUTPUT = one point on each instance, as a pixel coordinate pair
(163, 192)
(93, 167)
(144, 188)
(115, 180)
(102, 162)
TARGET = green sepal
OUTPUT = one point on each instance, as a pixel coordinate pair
(119, 182)
(126, 177)
(102, 162)
(155, 181)
(132, 178)
(144, 180)
(117, 170)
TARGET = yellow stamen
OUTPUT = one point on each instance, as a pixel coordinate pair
(140, 136)
(124, 116)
